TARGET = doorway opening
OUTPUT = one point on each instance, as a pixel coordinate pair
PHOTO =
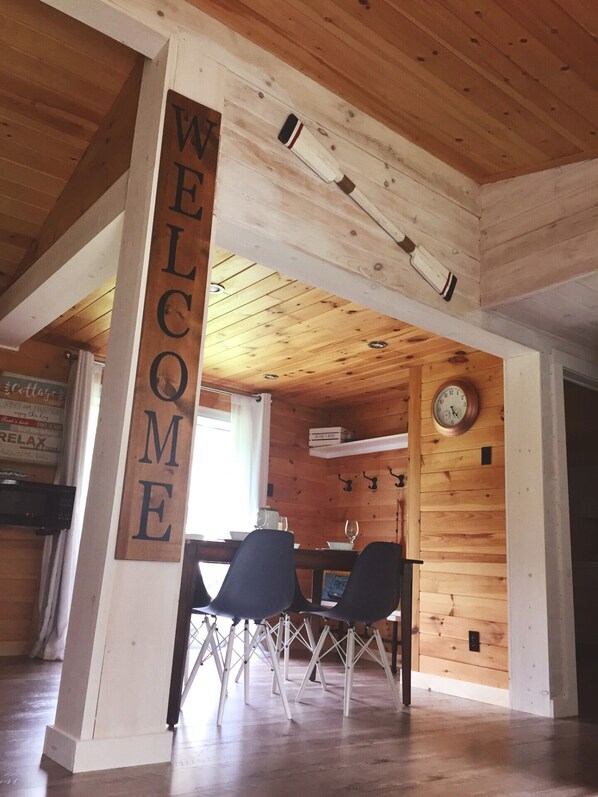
(581, 407)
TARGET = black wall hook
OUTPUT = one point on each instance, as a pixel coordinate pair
(348, 484)
(399, 476)
(373, 480)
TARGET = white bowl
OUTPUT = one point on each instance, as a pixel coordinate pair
(340, 546)
(238, 535)
(194, 536)
(297, 545)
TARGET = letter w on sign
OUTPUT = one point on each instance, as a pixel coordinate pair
(154, 499)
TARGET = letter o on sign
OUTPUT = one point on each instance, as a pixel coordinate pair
(168, 376)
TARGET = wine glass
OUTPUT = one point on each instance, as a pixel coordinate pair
(261, 519)
(351, 530)
(283, 523)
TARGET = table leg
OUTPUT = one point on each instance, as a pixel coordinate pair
(181, 638)
(406, 630)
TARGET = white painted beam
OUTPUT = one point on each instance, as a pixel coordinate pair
(82, 259)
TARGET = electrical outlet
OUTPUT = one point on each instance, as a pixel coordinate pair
(474, 641)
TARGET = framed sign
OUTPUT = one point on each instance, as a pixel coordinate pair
(151, 524)
(31, 418)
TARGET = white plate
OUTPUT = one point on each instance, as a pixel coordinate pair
(194, 536)
(340, 546)
(238, 535)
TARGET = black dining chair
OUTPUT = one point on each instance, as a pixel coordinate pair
(203, 631)
(260, 583)
(372, 593)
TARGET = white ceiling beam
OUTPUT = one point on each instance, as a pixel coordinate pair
(82, 259)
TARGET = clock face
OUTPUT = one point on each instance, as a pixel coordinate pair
(454, 407)
(450, 406)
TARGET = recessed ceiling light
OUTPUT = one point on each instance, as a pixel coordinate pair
(377, 344)
(216, 287)
(270, 376)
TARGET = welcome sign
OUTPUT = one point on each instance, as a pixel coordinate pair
(157, 467)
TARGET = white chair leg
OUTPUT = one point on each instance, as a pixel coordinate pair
(279, 645)
(215, 646)
(314, 661)
(198, 662)
(246, 657)
(276, 668)
(386, 667)
(312, 647)
(225, 674)
(287, 645)
(349, 667)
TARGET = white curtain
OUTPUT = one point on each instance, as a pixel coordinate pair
(61, 550)
(250, 427)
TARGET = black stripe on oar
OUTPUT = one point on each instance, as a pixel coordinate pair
(287, 130)
(449, 288)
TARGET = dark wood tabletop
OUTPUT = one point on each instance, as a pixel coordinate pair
(315, 559)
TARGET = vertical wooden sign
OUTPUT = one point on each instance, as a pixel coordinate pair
(157, 467)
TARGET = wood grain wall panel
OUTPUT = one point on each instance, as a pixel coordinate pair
(20, 550)
(298, 479)
(463, 582)
(543, 238)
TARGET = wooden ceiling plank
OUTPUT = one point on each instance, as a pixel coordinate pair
(552, 24)
(42, 115)
(240, 301)
(28, 136)
(37, 160)
(60, 54)
(22, 210)
(491, 61)
(419, 125)
(86, 315)
(490, 20)
(389, 31)
(7, 236)
(70, 85)
(86, 40)
(103, 290)
(442, 110)
(28, 196)
(105, 160)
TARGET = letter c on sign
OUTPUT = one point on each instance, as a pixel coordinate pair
(164, 379)
(171, 309)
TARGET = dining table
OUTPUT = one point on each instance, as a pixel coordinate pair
(316, 560)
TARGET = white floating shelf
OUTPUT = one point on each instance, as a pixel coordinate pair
(388, 443)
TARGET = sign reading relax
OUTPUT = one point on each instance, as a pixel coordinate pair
(151, 524)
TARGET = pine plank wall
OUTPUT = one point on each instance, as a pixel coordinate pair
(21, 550)
(462, 584)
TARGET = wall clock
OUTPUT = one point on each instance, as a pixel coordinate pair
(454, 407)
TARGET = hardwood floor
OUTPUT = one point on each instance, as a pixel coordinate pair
(440, 746)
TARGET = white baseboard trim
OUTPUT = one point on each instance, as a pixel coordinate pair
(89, 755)
(449, 686)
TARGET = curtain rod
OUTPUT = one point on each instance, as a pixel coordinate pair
(71, 356)
(230, 392)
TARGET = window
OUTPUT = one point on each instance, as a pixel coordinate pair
(210, 487)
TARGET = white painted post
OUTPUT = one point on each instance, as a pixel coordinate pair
(114, 689)
(541, 639)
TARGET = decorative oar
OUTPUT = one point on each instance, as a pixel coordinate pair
(296, 137)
